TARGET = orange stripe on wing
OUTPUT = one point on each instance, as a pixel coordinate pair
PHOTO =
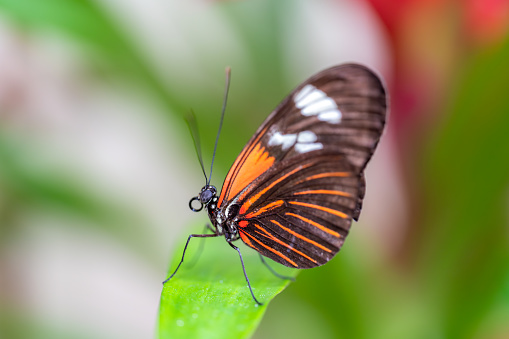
(257, 196)
(326, 175)
(314, 223)
(300, 236)
(265, 208)
(273, 238)
(341, 193)
(245, 239)
(321, 208)
(279, 254)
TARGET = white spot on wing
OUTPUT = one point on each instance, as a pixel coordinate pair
(313, 101)
(312, 96)
(316, 107)
(303, 142)
(304, 148)
(332, 117)
(285, 140)
(306, 136)
(303, 92)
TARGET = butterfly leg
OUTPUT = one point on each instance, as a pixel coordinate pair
(280, 276)
(245, 274)
(197, 255)
(207, 226)
(185, 248)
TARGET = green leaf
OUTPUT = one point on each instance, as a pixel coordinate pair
(210, 299)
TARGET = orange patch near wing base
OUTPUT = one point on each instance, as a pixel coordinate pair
(257, 161)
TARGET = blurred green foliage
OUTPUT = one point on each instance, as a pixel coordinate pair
(91, 25)
(464, 252)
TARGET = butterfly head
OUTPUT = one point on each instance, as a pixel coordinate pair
(206, 197)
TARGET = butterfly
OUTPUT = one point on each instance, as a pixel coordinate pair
(293, 191)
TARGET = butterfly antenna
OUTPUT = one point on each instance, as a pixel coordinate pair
(193, 129)
(227, 86)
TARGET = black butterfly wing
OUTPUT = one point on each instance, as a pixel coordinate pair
(299, 181)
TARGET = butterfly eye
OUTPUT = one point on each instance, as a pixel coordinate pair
(206, 194)
(198, 208)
